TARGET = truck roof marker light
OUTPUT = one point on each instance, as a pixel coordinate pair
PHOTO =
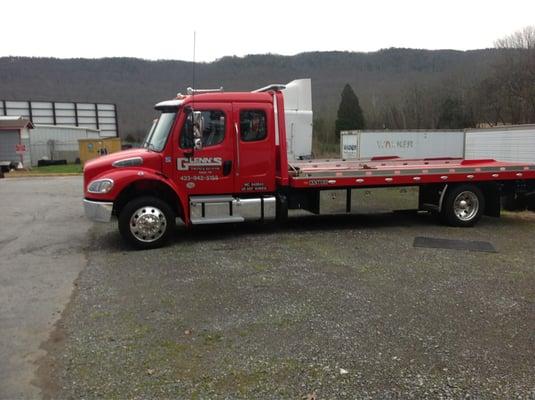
(192, 91)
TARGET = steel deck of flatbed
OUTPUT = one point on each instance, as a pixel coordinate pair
(395, 172)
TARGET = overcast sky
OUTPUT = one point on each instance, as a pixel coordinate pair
(161, 29)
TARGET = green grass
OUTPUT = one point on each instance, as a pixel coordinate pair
(58, 169)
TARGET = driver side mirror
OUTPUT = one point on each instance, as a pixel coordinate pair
(193, 128)
(198, 128)
(187, 139)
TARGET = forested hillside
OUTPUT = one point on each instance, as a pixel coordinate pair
(397, 88)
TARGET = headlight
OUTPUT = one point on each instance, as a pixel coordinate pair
(100, 186)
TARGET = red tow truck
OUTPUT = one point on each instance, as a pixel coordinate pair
(221, 157)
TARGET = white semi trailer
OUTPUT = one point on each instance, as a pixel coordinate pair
(404, 144)
(504, 143)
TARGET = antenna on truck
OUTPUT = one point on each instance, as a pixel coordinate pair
(193, 79)
(191, 90)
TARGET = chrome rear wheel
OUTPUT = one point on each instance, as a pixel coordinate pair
(463, 205)
(466, 205)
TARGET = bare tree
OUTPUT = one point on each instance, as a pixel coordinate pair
(516, 75)
(522, 39)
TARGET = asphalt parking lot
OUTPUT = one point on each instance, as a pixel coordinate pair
(42, 237)
(339, 307)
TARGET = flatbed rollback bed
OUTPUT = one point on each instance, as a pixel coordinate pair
(222, 158)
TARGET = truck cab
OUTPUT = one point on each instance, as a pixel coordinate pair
(208, 158)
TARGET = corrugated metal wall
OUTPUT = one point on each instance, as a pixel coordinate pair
(57, 143)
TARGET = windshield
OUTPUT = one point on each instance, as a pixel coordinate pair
(149, 134)
(157, 137)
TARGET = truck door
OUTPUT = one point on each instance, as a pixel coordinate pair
(210, 169)
(255, 147)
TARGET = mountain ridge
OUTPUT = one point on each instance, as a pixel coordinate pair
(135, 85)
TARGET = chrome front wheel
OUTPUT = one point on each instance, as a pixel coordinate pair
(148, 224)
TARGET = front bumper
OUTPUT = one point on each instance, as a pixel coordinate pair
(99, 211)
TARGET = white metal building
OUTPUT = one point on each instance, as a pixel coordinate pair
(54, 142)
(21, 141)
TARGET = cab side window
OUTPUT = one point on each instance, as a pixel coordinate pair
(253, 125)
(208, 125)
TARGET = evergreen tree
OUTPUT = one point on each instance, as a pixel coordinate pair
(350, 114)
(454, 116)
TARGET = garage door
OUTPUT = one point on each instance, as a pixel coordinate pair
(8, 142)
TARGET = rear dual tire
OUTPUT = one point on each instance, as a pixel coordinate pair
(146, 222)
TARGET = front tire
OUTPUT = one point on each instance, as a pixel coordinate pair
(463, 206)
(146, 222)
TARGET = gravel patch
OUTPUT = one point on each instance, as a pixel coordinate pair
(324, 307)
